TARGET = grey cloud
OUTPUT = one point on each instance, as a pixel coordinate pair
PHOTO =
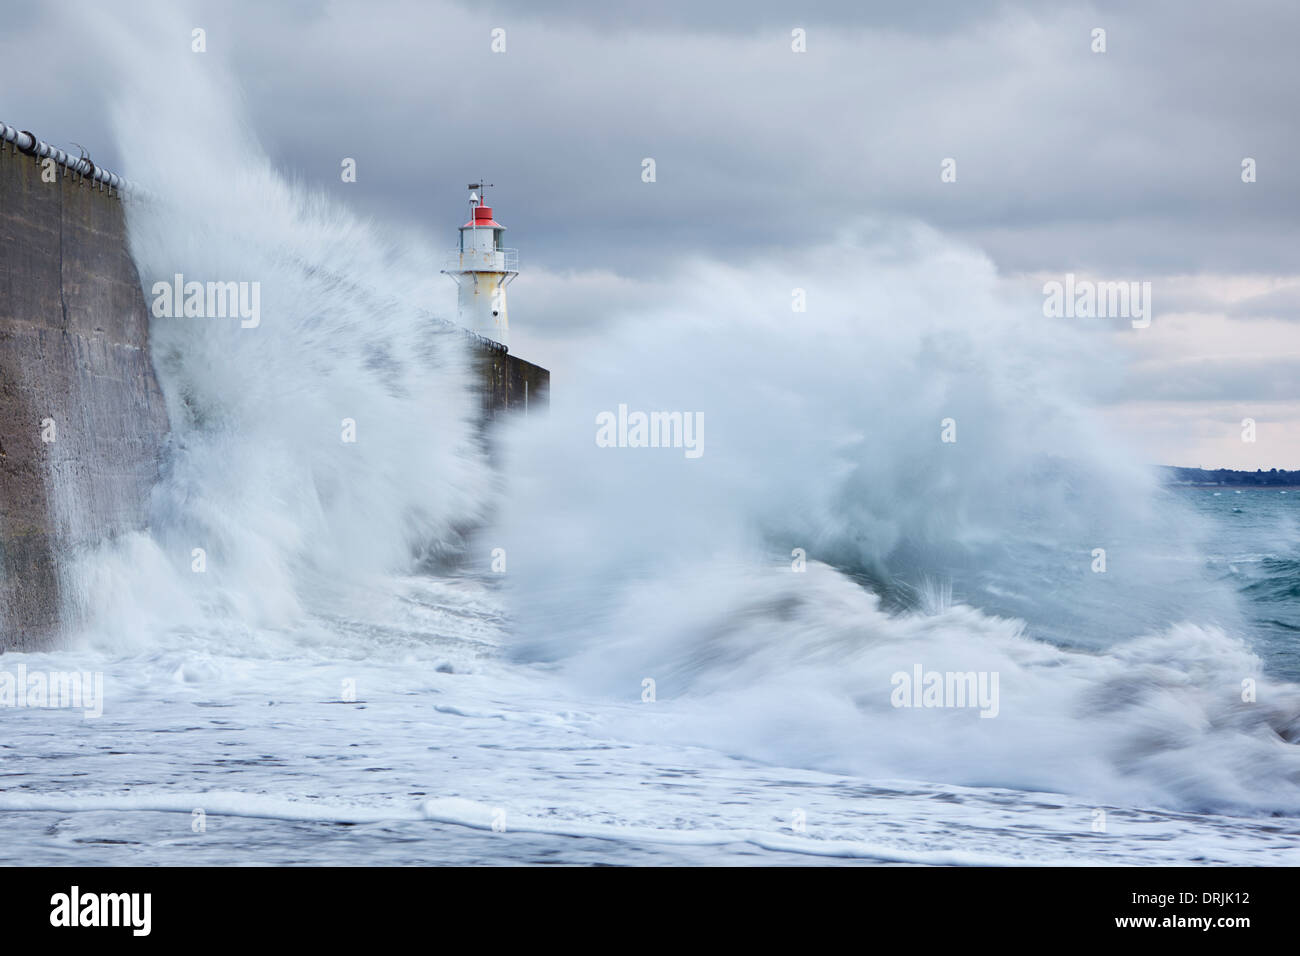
(1125, 162)
(740, 16)
(1227, 379)
(1280, 303)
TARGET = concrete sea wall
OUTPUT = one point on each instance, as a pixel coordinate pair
(82, 420)
(509, 383)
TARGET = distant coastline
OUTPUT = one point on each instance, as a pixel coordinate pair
(1226, 477)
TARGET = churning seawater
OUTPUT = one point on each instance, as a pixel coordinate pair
(448, 736)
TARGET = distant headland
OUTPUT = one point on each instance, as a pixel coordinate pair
(1204, 477)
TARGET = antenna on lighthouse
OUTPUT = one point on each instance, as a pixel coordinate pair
(475, 192)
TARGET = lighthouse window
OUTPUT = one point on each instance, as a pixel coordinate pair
(498, 240)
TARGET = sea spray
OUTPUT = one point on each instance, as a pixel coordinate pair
(325, 441)
(925, 433)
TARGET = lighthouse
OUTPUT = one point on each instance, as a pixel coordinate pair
(482, 268)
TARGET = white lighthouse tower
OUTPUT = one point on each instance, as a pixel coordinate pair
(482, 268)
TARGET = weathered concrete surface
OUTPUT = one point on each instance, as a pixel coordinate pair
(74, 367)
(509, 383)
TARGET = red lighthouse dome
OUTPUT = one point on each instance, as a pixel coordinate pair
(482, 219)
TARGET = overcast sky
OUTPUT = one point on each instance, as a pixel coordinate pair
(1119, 165)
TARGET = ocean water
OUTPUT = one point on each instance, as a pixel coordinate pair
(1257, 554)
(310, 657)
(450, 734)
